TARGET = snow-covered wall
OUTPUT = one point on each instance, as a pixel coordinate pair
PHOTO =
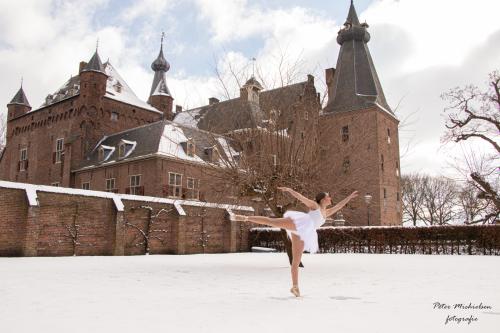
(40, 220)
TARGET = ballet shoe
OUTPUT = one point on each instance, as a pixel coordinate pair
(295, 290)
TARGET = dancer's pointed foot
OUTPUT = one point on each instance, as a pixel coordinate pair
(295, 290)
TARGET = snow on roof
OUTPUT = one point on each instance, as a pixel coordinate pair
(125, 94)
(188, 118)
(170, 143)
(117, 198)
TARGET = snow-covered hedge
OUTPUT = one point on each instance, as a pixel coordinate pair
(462, 239)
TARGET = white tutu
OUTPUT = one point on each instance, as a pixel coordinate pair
(306, 225)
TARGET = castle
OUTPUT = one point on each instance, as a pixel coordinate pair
(94, 133)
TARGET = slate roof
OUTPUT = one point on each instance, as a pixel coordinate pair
(20, 98)
(222, 117)
(94, 64)
(161, 67)
(237, 113)
(355, 84)
(124, 94)
(161, 138)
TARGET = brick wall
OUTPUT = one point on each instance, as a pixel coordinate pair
(66, 224)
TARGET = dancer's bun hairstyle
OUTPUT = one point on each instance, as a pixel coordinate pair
(320, 196)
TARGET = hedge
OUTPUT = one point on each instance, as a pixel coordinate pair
(462, 239)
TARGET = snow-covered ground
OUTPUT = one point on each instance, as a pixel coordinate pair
(248, 292)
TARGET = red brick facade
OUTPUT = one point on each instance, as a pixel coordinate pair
(65, 224)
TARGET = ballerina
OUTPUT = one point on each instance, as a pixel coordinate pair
(301, 227)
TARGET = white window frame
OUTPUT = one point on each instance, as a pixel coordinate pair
(110, 181)
(175, 186)
(59, 149)
(114, 116)
(85, 183)
(134, 185)
(54, 184)
(194, 190)
(23, 158)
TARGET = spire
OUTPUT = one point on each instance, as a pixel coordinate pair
(352, 17)
(94, 63)
(20, 98)
(355, 84)
(160, 66)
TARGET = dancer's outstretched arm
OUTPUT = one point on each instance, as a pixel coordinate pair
(341, 204)
(311, 204)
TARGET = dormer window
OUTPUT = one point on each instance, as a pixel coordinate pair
(190, 148)
(212, 154)
(118, 87)
(125, 148)
(105, 152)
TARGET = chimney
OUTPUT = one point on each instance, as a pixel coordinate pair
(212, 100)
(178, 108)
(82, 66)
(329, 74)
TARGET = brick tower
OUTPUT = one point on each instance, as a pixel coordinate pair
(93, 81)
(18, 106)
(160, 96)
(359, 133)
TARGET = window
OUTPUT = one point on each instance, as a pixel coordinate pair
(114, 116)
(23, 159)
(306, 115)
(302, 135)
(346, 164)
(135, 184)
(121, 150)
(110, 184)
(388, 135)
(397, 168)
(175, 184)
(345, 133)
(382, 162)
(86, 186)
(125, 148)
(193, 186)
(190, 148)
(59, 150)
(55, 184)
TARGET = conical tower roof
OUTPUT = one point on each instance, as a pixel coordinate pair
(356, 84)
(94, 64)
(20, 98)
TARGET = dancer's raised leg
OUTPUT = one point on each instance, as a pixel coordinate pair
(297, 249)
(284, 222)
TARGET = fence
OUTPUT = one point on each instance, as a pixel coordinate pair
(468, 240)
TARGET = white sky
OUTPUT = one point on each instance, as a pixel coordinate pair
(420, 49)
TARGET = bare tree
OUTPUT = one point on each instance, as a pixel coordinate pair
(473, 208)
(150, 230)
(413, 191)
(440, 201)
(474, 114)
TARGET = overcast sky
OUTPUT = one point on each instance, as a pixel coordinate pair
(421, 48)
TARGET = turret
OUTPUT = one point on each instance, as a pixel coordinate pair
(19, 105)
(250, 90)
(160, 96)
(354, 84)
(93, 78)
